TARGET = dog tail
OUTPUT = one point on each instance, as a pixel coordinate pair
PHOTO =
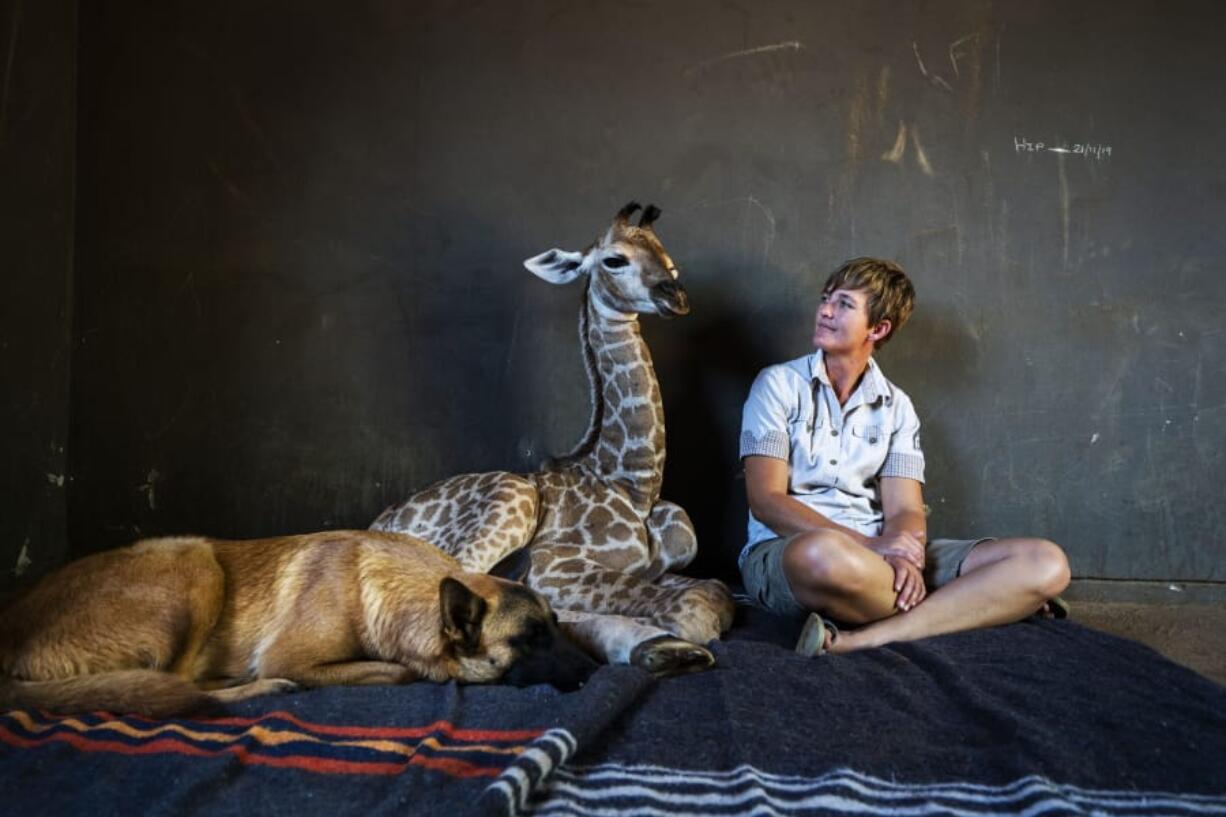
(140, 692)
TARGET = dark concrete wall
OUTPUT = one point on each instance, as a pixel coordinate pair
(37, 81)
(299, 293)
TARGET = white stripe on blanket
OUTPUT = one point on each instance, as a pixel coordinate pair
(612, 789)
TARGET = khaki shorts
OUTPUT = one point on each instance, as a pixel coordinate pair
(762, 571)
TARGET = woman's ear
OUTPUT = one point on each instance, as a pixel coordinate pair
(881, 330)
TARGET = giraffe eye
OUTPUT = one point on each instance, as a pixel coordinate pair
(615, 262)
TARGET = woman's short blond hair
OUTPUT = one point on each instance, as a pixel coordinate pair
(891, 295)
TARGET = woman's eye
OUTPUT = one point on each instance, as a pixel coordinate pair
(616, 261)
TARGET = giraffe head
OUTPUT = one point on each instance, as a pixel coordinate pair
(630, 271)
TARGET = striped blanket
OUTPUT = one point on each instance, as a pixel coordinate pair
(1037, 718)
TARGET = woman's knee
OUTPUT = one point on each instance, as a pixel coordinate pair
(825, 559)
(1046, 565)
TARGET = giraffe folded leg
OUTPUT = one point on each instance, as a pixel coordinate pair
(697, 613)
(711, 595)
(624, 640)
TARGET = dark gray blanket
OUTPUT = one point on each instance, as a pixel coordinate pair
(1040, 717)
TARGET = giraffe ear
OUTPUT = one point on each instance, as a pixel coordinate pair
(514, 566)
(556, 266)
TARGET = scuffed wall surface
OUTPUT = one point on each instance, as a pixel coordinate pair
(300, 293)
(37, 63)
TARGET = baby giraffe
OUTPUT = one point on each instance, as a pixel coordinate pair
(590, 527)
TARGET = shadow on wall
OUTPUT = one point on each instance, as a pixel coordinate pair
(940, 366)
(705, 375)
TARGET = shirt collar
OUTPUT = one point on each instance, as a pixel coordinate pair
(872, 388)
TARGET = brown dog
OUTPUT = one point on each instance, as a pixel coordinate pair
(166, 626)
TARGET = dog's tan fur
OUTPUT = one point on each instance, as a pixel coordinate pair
(165, 626)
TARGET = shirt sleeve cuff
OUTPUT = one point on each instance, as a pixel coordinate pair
(910, 466)
(769, 444)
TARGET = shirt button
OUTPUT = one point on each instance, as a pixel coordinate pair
(872, 440)
(834, 432)
(834, 462)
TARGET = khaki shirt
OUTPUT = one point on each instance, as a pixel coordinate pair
(836, 454)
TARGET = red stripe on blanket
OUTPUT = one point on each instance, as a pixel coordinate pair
(439, 727)
(451, 766)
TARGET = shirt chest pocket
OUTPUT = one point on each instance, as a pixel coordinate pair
(804, 428)
(867, 434)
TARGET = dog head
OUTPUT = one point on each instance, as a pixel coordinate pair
(498, 630)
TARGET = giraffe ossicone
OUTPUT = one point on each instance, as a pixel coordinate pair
(601, 543)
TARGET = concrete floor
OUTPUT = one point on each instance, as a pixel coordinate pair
(1185, 623)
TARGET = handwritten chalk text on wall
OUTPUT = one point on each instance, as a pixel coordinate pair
(1087, 149)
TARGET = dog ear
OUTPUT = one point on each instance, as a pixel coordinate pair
(514, 566)
(462, 614)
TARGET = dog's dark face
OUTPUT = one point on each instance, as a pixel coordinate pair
(502, 631)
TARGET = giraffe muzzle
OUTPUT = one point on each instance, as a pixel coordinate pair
(670, 299)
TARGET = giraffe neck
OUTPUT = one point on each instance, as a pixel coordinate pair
(625, 439)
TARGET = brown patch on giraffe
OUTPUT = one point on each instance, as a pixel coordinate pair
(614, 435)
(639, 458)
(607, 457)
(574, 536)
(598, 520)
(621, 532)
(640, 416)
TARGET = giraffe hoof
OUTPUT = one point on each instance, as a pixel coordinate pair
(665, 656)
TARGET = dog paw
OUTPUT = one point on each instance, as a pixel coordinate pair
(282, 685)
(665, 655)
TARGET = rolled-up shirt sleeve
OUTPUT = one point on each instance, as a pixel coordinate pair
(765, 418)
(905, 457)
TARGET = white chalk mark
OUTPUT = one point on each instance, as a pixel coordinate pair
(1060, 150)
(750, 201)
(935, 79)
(148, 489)
(790, 45)
(770, 219)
(918, 58)
(921, 157)
(762, 49)
(997, 77)
(895, 153)
(56, 479)
(23, 560)
(1064, 208)
(953, 51)
(1094, 438)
